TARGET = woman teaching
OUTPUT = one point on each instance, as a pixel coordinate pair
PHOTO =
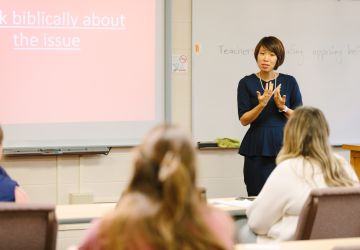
(266, 100)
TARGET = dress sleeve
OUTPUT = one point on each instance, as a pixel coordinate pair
(270, 205)
(243, 98)
(296, 99)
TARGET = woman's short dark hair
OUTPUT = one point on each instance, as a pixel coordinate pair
(274, 45)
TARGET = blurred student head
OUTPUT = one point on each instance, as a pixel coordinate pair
(161, 202)
(164, 164)
(307, 134)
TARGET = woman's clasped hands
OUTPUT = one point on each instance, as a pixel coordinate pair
(269, 91)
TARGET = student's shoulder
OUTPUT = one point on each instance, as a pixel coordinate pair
(220, 223)
(289, 165)
(215, 216)
(91, 239)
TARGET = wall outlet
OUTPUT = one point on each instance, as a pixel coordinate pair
(81, 198)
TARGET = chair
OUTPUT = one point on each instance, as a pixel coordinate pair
(27, 226)
(330, 213)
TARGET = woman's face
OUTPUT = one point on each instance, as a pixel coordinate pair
(266, 60)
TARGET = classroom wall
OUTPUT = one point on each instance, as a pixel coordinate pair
(52, 179)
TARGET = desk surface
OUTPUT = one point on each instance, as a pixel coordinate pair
(231, 205)
(351, 147)
(303, 244)
(82, 213)
(85, 213)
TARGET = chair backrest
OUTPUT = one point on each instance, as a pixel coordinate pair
(27, 226)
(330, 213)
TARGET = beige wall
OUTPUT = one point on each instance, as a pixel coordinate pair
(181, 82)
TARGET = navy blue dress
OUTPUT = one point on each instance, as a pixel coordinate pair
(263, 140)
(7, 186)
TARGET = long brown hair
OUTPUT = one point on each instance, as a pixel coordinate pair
(160, 207)
(307, 134)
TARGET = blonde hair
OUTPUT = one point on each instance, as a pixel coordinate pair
(306, 134)
(161, 206)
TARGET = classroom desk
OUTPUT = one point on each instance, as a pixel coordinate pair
(81, 213)
(85, 213)
(75, 219)
(304, 244)
(234, 207)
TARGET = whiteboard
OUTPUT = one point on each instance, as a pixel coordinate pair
(322, 42)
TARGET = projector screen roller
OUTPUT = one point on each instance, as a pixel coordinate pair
(81, 73)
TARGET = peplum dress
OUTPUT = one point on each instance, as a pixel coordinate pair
(265, 134)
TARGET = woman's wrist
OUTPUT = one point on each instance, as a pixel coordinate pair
(284, 109)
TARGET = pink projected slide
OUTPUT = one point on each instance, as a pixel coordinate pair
(77, 61)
